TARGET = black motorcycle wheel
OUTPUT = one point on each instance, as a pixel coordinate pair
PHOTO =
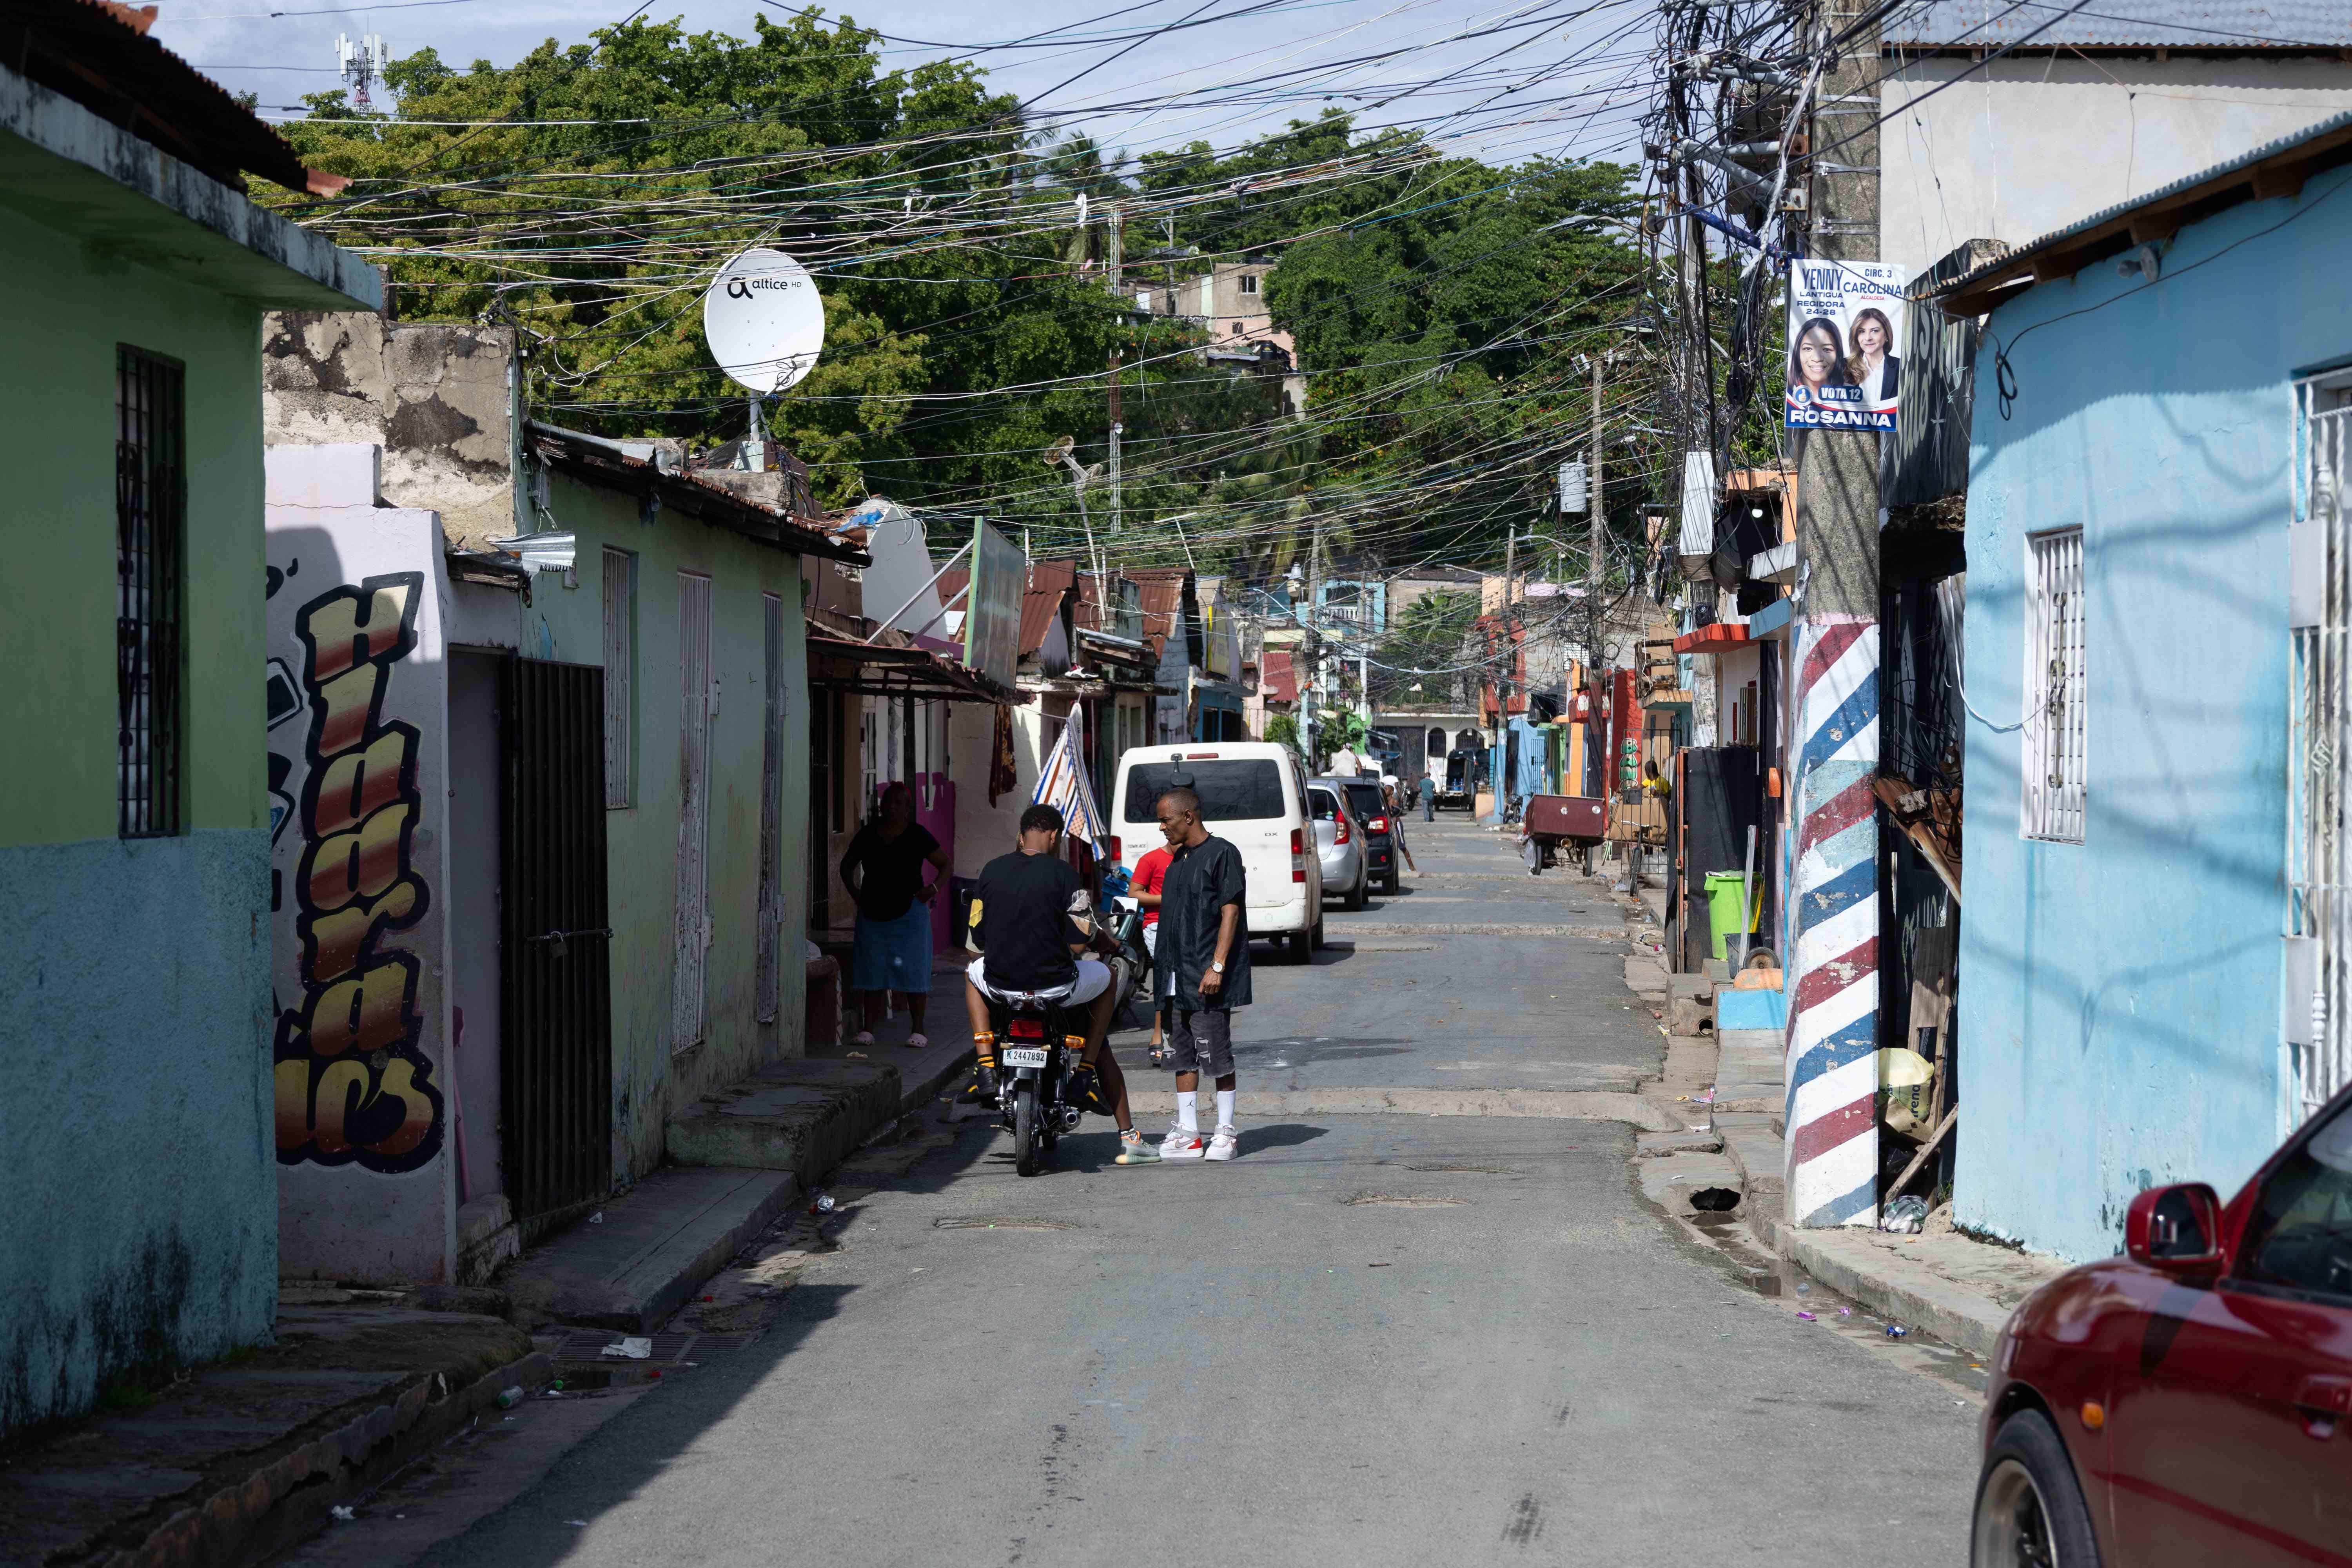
(1024, 1130)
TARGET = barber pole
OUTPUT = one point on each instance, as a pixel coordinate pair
(1832, 1057)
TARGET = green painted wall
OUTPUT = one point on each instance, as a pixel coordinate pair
(67, 309)
(650, 1083)
(134, 976)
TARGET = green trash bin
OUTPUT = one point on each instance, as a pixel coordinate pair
(1723, 907)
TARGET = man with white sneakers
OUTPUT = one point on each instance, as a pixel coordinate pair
(1200, 970)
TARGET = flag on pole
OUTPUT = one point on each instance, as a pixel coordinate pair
(1062, 786)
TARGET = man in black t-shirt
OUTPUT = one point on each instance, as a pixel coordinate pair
(1033, 917)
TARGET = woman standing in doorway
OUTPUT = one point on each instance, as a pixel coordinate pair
(884, 872)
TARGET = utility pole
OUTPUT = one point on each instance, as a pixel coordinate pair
(1592, 583)
(1501, 780)
(1314, 648)
(1115, 430)
(1833, 660)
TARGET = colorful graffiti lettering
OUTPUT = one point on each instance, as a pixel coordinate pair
(352, 1085)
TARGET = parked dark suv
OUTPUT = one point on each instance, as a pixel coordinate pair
(1371, 809)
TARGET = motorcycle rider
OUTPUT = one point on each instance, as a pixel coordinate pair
(1032, 921)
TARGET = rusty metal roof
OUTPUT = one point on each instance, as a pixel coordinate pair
(98, 55)
(2204, 25)
(596, 461)
(1050, 583)
(1278, 678)
(1161, 591)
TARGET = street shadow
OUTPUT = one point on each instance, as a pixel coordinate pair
(640, 1445)
(1280, 1135)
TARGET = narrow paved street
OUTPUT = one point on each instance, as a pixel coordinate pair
(1372, 1339)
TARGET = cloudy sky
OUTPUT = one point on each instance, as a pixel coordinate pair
(1506, 81)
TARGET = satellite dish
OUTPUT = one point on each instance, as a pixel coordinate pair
(764, 321)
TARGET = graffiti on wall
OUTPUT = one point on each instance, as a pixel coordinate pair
(352, 1085)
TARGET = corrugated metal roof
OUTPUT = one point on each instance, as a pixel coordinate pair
(1050, 581)
(2121, 23)
(2226, 180)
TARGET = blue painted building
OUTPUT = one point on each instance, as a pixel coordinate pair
(2136, 994)
(135, 808)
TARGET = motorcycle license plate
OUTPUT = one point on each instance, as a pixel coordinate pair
(1023, 1056)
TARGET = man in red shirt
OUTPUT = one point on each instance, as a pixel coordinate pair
(1150, 873)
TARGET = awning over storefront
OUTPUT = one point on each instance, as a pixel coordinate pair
(840, 664)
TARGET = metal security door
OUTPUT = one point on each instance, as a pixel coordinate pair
(771, 815)
(689, 1002)
(555, 1003)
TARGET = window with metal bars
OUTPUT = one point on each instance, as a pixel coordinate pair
(2318, 1003)
(2056, 729)
(151, 551)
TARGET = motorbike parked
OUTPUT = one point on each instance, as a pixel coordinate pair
(1039, 1045)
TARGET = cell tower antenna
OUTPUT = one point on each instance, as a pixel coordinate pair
(362, 63)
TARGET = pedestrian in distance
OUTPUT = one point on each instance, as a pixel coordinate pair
(1151, 871)
(1392, 797)
(1428, 798)
(1201, 971)
(884, 870)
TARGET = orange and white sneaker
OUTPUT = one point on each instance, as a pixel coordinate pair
(1182, 1143)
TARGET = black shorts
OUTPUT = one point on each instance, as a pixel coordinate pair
(1203, 1041)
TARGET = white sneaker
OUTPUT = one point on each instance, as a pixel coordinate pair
(1182, 1143)
(1223, 1146)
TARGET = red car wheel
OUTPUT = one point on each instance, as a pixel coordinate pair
(2029, 1511)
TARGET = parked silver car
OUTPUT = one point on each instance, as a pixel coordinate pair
(1340, 843)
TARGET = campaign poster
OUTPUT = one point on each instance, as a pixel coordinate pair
(1845, 337)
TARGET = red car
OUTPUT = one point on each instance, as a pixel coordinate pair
(2190, 1402)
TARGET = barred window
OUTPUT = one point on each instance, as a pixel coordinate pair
(151, 548)
(2057, 737)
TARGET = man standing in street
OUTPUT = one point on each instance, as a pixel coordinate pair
(1200, 970)
(1428, 798)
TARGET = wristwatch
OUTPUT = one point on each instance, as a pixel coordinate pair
(1218, 965)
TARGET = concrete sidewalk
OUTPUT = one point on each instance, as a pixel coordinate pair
(738, 1159)
(235, 1461)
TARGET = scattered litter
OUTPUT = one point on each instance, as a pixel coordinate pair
(654, 1374)
(824, 1204)
(597, 1218)
(1904, 1216)
(1897, 1331)
(858, 1055)
(577, 1523)
(1804, 1287)
(509, 1397)
(1808, 1317)
(557, 1385)
(343, 1512)
(1845, 1312)
(630, 1347)
(1376, 1265)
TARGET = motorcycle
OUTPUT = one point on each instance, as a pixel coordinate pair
(1039, 1043)
(1131, 965)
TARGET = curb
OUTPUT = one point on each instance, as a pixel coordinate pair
(288, 1496)
(1957, 1317)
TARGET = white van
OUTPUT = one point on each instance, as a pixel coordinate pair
(1253, 796)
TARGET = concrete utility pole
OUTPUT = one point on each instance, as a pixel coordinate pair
(1834, 665)
(1117, 429)
(1593, 578)
(1503, 673)
(1314, 648)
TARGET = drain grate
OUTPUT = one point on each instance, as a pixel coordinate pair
(1471, 1170)
(1001, 1222)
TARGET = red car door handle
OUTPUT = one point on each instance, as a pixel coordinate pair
(2323, 1401)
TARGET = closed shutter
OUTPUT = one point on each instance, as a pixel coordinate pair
(690, 1011)
(620, 663)
(770, 977)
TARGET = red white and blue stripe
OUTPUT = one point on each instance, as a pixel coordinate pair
(1062, 786)
(1832, 1061)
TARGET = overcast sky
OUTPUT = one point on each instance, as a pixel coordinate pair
(1543, 76)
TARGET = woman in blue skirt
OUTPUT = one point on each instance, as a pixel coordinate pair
(883, 871)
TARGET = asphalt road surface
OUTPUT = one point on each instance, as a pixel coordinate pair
(1370, 1340)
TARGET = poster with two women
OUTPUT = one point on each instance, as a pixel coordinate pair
(1845, 329)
